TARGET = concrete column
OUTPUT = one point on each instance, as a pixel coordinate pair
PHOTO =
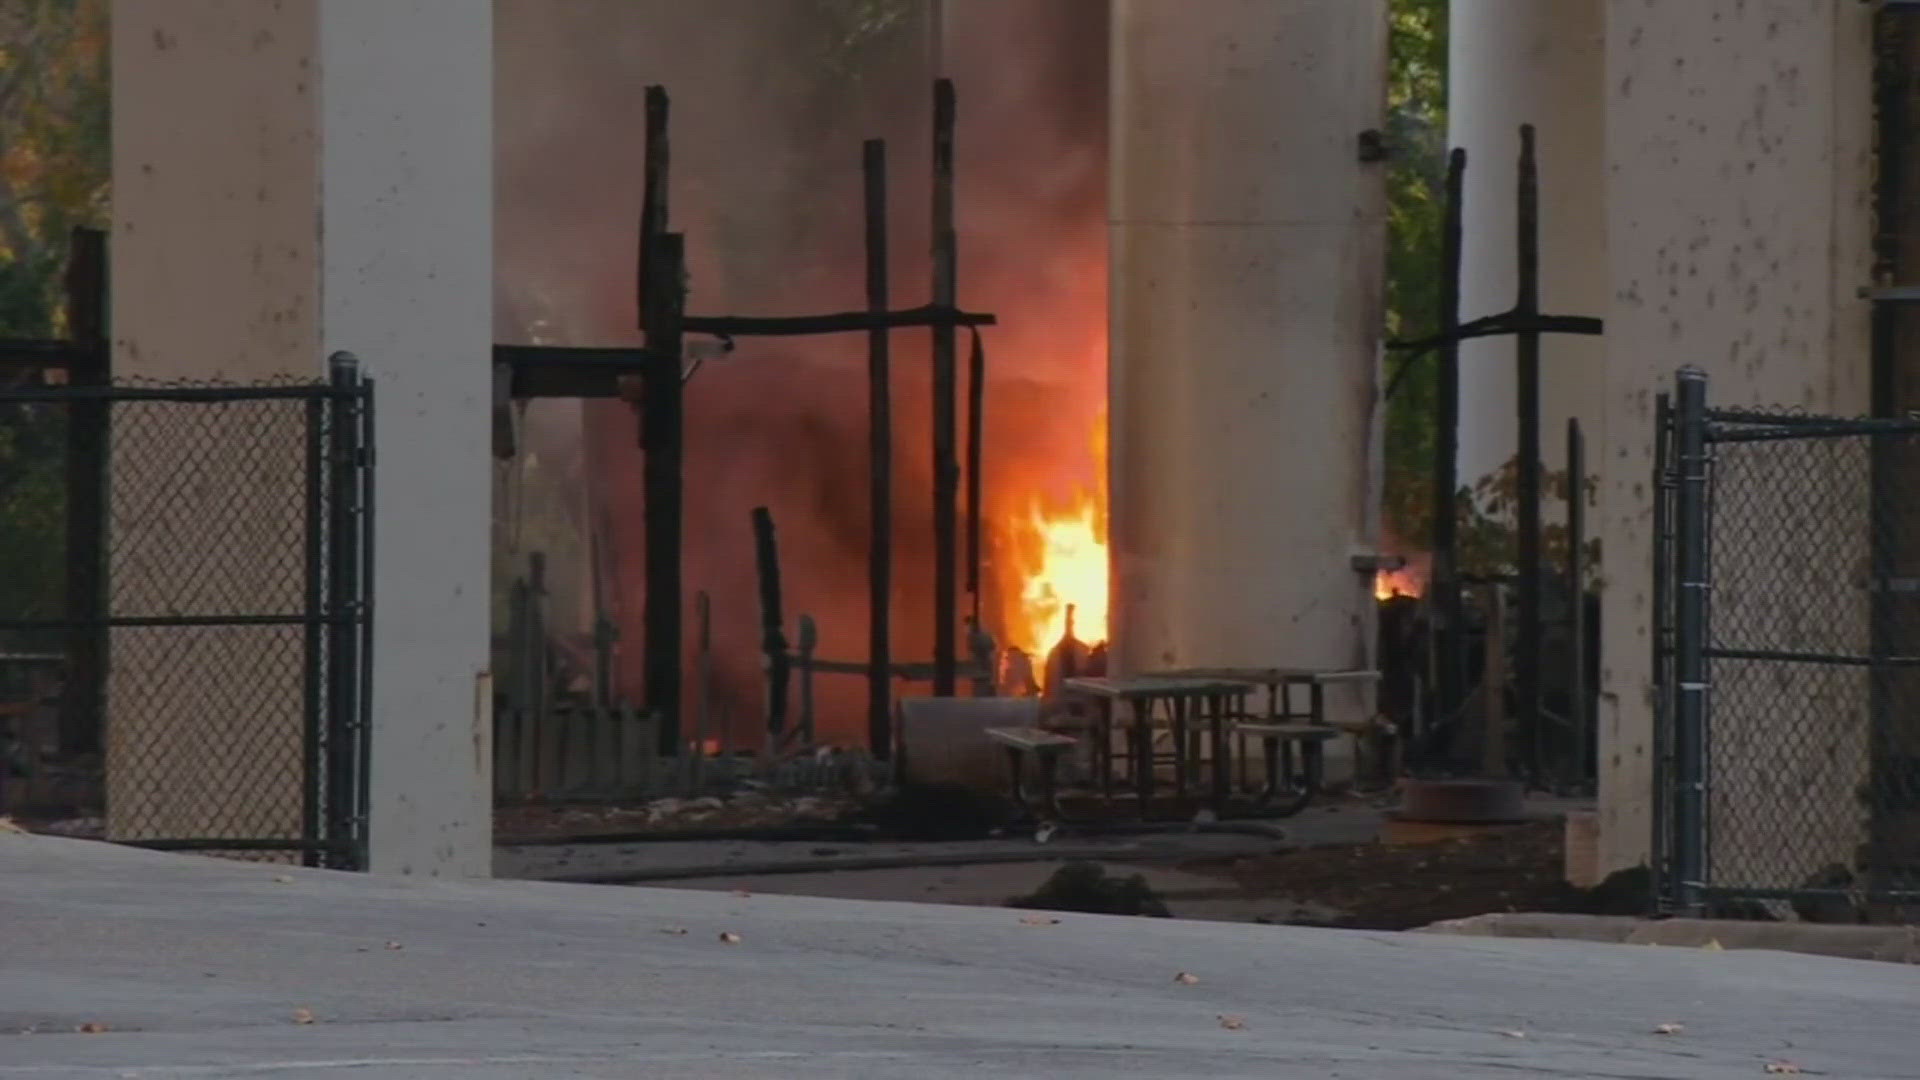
(293, 178)
(1539, 62)
(1246, 245)
(1738, 219)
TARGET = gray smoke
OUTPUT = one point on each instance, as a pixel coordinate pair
(771, 100)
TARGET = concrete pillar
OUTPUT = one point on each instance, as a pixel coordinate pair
(293, 178)
(1739, 140)
(1539, 62)
(1246, 243)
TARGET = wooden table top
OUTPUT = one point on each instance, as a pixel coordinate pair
(1137, 687)
(1267, 676)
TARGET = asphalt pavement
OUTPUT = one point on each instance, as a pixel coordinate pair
(121, 963)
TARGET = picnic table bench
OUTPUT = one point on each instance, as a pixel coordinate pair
(1047, 747)
(1182, 699)
(1286, 726)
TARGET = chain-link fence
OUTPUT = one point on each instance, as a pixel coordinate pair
(201, 649)
(1790, 659)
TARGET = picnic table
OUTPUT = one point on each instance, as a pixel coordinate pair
(1286, 724)
(1182, 699)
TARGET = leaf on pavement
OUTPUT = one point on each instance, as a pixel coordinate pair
(303, 1016)
(1669, 1029)
(91, 1028)
(1038, 920)
(1186, 979)
(728, 937)
(1514, 1034)
(676, 931)
(1233, 1023)
(1782, 1068)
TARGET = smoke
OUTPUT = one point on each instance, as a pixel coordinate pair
(771, 100)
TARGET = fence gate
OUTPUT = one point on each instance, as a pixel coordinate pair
(1787, 659)
(202, 595)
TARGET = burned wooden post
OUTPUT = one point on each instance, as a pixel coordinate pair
(976, 430)
(809, 642)
(605, 629)
(1448, 613)
(1526, 310)
(83, 711)
(1579, 717)
(662, 440)
(880, 462)
(1493, 686)
(653, 190)
(663, 302)
(703, 683)
(773, 634)
(945, 468)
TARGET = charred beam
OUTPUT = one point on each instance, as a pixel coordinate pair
(1507, 322)
(553, 371)
(933, 315)
(29, 353)
(880, 461)
(945, 468)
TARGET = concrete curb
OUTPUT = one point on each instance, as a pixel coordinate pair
(1893, 944)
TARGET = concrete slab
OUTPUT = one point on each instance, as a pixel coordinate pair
(198, 968)
(1894, 944)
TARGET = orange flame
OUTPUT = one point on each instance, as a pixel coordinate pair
(1058, 551)
(1405, 581)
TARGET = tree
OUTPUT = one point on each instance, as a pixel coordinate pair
(54, 172)
(54, 150)
(1416, 190)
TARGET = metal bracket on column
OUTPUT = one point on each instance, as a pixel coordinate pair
(503, 442)
(1373, 147)
(1376, 563)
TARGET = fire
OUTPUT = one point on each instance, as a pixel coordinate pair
(1406, 581)
(1057, 547)
(1072, 570)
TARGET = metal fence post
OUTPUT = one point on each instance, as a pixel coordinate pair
(344, 731)
(1690, 632)
(314, 721)
(1662, 839)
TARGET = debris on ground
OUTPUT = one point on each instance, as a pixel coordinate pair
(746, 807)
(941, 812)
(1400, 886)
(1083, 886)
